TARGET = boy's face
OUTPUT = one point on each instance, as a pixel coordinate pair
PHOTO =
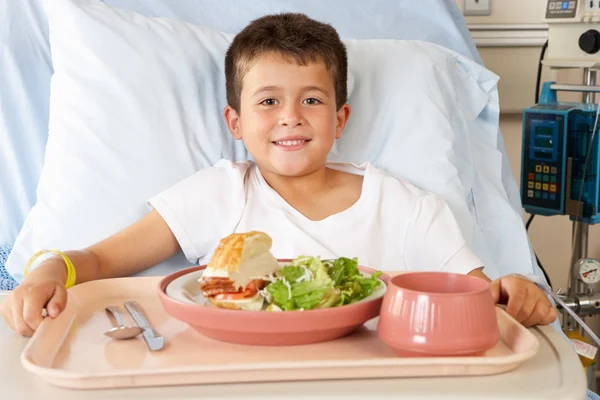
(288, 118)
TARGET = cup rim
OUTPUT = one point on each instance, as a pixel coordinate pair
(393, 285)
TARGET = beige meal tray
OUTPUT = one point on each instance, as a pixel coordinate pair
(72, 351)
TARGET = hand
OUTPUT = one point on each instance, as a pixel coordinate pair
(22, 310)
(524, 301)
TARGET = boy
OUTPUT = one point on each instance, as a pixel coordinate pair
(286, 91)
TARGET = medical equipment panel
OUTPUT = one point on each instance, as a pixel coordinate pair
(574, 34)
(556, 140)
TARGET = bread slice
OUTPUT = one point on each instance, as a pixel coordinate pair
(254, 303)
(236, 248)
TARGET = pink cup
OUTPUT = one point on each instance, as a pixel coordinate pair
(438, 314)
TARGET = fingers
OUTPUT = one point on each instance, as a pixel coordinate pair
(22, 310)
(536, 315)
(495, 290)
(530, 300)
(33, 304)
(6, 314)
(551, 315)
(19, 324)
(526, 302)
(517, 296)
(57, 302)
(543, 314)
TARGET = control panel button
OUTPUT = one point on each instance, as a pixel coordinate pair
(530, 185)
(546, 169)
(545, 187)
(553, 179)
(546, 178)
(538, 185)
(538, 168)
(545, 196)
(552, 196)
(538, 177)
(553, 170)
(531, 176)
(538, 194)
(589, 41)
(552, 188)
(530, 193)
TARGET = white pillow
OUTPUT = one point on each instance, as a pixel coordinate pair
(412, 109)
(136, 105)
(26, 69)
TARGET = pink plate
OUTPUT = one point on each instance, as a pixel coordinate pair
(270, 328)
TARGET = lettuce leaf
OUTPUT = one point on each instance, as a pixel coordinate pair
(354, 286)
(304, 295)
(309, 283)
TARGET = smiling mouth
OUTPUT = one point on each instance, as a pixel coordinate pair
(291, 142)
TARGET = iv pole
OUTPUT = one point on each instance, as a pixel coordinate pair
(580, 233)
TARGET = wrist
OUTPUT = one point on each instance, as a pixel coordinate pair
(53, 269)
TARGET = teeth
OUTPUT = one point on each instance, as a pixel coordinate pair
(290, 142)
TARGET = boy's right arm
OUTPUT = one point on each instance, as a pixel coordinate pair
(136, 248)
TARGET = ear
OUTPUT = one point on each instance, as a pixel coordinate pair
(232, 119)
(342, 117)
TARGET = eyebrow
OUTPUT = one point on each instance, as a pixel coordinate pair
(266, 89)
(315, 88)
(277, 88)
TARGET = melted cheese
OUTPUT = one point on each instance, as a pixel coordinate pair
(260, 265)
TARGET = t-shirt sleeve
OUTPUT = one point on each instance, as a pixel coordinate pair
(204, 207)
(434, 241)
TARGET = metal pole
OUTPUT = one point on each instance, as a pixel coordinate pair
(590, 80)
(581, 230)
(590, 98)
(580, 250)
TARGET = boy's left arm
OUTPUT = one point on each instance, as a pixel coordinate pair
(524, 301)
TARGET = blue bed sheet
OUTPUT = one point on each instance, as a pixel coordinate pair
(6, 281)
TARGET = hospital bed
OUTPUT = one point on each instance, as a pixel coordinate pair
(487, 206)
(39, 206)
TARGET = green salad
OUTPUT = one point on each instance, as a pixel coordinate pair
(309, 283)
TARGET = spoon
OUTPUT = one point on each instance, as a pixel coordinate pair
(121, 331)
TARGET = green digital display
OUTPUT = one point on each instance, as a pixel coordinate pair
(543, 156)
(543, 137)
(544, 131)
(543, 142)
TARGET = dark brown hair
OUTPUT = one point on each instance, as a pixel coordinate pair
(292, 35)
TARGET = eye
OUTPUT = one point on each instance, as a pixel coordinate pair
(311, 101)
(268, 102)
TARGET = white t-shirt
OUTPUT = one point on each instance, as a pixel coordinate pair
(393, 226)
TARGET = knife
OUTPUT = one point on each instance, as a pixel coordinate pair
(153, 339)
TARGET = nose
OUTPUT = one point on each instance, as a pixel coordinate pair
(291, 116)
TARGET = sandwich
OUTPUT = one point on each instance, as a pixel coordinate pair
(243, 275)
(235, 274)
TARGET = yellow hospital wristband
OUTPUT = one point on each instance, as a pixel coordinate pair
(71, 276)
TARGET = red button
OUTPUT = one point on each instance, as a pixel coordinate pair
(531, 176)
(552, 188)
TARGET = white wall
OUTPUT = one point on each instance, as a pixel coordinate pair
(511, 12)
